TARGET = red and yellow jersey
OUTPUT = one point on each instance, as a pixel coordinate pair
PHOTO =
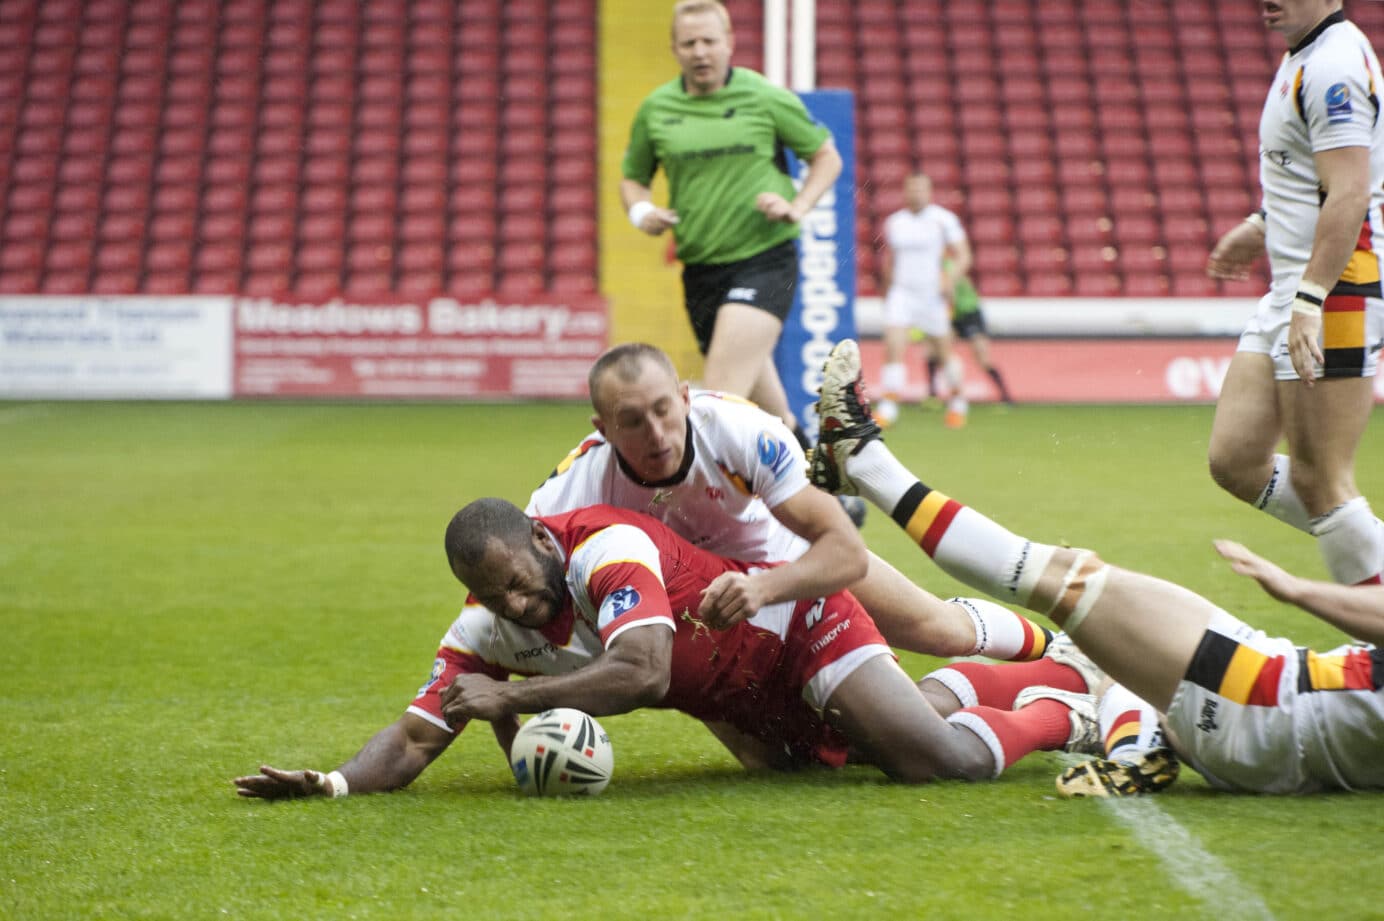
(624, 570)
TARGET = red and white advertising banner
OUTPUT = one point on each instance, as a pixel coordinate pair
(1088, 370)
(141, 348)
(441, 349)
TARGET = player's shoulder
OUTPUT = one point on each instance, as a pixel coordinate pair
(669, 93)
(713, 412)
(942, 213)
(591, 449)
(1338, 53)
(605, 531)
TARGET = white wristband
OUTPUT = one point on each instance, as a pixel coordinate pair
(338, 785)
(640, 210)
(1310, 297)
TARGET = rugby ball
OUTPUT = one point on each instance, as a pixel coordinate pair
(562, 751)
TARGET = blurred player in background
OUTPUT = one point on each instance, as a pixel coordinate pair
(1305, 365)
(1249, 712)
(718, 133)
(925, 252)
(968, 326)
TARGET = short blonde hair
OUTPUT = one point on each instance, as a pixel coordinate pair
(693, 7)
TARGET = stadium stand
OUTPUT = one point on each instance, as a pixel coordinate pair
(296, 148)
(312, 148)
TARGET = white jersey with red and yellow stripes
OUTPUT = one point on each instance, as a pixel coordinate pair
(1259, 714)
(739, 462)
(1325, 96)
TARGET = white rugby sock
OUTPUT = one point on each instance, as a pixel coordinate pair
(893, 378)
(1128, 726)
(1280, 500)
(1351, 542)
(964, 543)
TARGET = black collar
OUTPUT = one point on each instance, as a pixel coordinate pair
(1338, 16)
(676, 478)
(730, 74)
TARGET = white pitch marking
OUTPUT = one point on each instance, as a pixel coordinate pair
(1190, 866)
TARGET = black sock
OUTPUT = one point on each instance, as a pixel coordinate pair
(999, 382)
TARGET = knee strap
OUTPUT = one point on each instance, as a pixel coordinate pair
(1082, 585)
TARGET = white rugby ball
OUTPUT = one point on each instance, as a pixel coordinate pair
(562, 751)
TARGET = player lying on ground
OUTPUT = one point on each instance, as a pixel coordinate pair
(1247, 711)
(732, 479)
(598, 605)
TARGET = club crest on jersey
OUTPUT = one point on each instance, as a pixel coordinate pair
(439, 666)
(1337, 103)
(622, 600)
(774, 454)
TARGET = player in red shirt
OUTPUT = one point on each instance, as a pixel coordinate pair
(599, 606)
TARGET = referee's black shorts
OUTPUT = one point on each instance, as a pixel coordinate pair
(766, 280)
(966, 325)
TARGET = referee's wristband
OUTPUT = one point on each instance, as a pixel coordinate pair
(1309, 300)
(640, 210)
(1256, 219)
(338, 785)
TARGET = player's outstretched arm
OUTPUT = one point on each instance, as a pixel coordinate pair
(1356, 609)
(633, 672)
(392, 758)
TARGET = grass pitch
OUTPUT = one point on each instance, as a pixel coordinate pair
(188, 590)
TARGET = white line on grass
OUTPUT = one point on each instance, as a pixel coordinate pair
(1192, 868)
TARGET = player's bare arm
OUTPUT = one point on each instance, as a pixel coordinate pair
(392, 758)
(653, 220)
(836, 559)
(634, 672)
(822, 169)
(1356, 609)
(1345, 183)
(1235, 252)
(960, 256)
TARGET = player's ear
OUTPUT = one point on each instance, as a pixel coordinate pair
(598, 424)
(685, 391)
(540, 537)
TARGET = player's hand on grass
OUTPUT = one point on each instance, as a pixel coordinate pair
(730, 598)
(775, 207)
(1235, 252)
(273, 783)
(1272, 578)
(475, 697)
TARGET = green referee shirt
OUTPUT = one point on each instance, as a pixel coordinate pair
(965, 298)
(719, 152)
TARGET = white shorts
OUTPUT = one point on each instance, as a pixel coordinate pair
(1352, 333)
(915, 310)
(1258, 714)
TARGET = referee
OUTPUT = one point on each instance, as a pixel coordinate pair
(719, 133)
